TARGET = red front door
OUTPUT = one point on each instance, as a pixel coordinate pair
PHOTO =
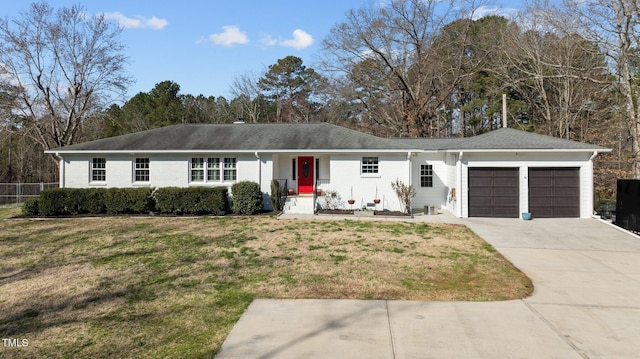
(305, 175)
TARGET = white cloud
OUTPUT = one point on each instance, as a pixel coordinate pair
(267, 40)
(139, 22)
(231, 35)
(301, 40)
(483, 11)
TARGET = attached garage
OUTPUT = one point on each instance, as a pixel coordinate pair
(554, 192)
(493, 192)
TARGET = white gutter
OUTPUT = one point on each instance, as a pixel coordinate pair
(595, 153)
(195, 151)
(525, 150)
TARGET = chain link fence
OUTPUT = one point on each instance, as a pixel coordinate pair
(18, 192)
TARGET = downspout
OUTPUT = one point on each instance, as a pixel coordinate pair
(595, 153)
(410, 175)
(259, 169)
(410, 169)
(459, 192)
(61, 170)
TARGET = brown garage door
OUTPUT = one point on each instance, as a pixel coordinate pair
(493, 192)
(554, 192)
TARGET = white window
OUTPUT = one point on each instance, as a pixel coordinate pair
(229, 169)
(214, 171)
(426, 176)
(197, 170)
(142, 170)
(369, 165)
(98, 169)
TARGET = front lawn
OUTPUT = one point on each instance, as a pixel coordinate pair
(174, 287)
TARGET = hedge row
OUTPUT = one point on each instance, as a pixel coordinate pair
(192, 200)
(74, 201)
(247, 199)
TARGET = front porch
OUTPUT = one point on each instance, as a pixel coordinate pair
(353, 181)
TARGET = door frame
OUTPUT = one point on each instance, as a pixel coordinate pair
(308, 186)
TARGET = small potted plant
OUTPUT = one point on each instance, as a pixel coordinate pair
(376, 200)
(351, 201)
(290, 192)
(318, 192)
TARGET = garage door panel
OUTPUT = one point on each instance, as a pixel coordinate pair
(564, 201)
(503, 212)
(503, 201)
(541, 192)
(568, 182)
(567, 212)
(493, 192)
(506, 182)
(554, 192)
(484, 182)
(540, 182)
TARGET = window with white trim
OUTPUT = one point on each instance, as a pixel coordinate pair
(217, 169)
(426, 175)
(229, 169)
(141, 170)
(369, 165)
(98, 169)
(213, 169)
(197, 170)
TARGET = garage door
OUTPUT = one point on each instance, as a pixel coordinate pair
(554, 192)
(493, 192)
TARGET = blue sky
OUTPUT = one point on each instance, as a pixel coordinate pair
(203, 45)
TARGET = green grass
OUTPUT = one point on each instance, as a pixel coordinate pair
(174, 287)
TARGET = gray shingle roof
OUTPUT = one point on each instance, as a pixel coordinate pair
(315, 136)
(509, 138)
(503, 139)
(430, 144)
(241, 137)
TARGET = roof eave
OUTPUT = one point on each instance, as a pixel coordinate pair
(533, 150)
(195, 151)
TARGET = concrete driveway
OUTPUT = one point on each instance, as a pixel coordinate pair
(586, 304)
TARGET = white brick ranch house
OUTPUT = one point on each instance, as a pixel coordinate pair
(498, 174)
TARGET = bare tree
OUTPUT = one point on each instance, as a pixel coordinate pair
(614, 26)
(563, 78)
(245, 89)
(65, 64)
(397, 45)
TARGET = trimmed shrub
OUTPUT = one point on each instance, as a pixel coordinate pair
(276, 195)
(247, 197)
(192, 200)
(128, 200)
(30, 207)
(53, 202)
(94, 201)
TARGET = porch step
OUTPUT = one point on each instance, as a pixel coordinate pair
(299, 205)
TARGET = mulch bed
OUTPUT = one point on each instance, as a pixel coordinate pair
(351, 212)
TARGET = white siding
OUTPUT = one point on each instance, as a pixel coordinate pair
(164, 170)
(347, 180)
(451, 181)
(343, 171)
(436, 195)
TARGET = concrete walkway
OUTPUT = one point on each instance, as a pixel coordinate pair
(586, 304)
